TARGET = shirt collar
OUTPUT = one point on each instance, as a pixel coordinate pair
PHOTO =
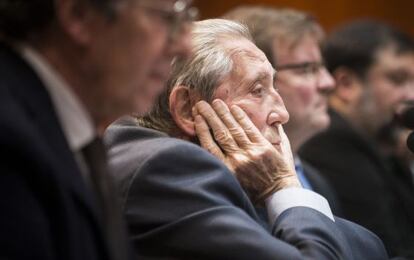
(75, 120)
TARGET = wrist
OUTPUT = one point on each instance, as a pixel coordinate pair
(282, 182)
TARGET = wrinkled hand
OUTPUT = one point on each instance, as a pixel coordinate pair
(260, 168)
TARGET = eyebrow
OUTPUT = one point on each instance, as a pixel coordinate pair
(263, 75)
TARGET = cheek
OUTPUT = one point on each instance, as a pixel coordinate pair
(222, 93)
(255, 112)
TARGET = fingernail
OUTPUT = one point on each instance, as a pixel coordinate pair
(217, 102)
(236, 108)
(201, 102)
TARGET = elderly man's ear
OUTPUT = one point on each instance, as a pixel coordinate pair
(182, 99)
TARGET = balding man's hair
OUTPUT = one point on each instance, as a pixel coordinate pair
(267, 24)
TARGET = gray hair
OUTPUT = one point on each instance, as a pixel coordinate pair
(202, 72)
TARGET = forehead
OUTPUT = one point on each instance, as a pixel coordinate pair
(306, 49)
(247, 57)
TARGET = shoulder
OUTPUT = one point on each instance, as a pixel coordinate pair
(143, 160)
(130, 144)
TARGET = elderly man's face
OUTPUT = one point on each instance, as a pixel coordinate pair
(251, 86)
(304, 83)
(131, 55)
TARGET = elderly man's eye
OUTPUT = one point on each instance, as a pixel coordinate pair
(258, 90)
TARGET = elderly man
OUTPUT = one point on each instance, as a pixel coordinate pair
(67, 68)
(182, 202)
(373, 65)
(290, 39)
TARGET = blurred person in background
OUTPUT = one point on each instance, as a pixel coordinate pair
(373, 65)
(67, 69)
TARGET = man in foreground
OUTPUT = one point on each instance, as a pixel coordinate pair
(182, 202)
(67, 68)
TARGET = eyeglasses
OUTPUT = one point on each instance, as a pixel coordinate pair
(305, 68)
(175, 14)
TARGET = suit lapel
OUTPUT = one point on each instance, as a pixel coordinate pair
(27, 88)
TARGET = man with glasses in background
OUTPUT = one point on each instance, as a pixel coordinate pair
(67, 69)
(291, 39)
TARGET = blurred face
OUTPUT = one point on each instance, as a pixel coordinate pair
(388, 86)
(250, 85)
(303, 83)
(130, 56)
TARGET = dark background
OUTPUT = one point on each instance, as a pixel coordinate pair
(329, 13)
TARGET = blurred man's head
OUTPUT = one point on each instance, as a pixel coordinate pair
(227, 65)
(290, 39)
(114, 54)
(373, 65)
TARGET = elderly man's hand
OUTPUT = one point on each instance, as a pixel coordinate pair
(260, 168)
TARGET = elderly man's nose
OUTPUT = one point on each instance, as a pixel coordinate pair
(279, 116)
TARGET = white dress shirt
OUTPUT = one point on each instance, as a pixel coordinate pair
(288, 198)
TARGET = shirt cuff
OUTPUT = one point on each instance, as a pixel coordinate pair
(296, 197)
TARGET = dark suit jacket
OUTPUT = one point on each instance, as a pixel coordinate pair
(322, 186)
(47, 212)
(181, 202)
(364, 185)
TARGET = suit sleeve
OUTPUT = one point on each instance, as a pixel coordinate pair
(186, 201)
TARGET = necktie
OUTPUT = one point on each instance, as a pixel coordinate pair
(95, 158)
(301, 175)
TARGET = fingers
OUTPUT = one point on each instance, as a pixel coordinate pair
(285, 147)
(284, 143)
(235, 129)
(205, 138)
(244, 121)
(220, 132)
